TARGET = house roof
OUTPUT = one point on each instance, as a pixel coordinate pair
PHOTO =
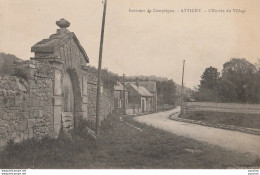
(141, 90)
(149, 85)
(56, 40)
(119, 87)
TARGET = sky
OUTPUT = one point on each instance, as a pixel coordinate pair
(140, 43)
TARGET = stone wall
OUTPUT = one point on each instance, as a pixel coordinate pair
(107, 103)
(53, 90)
(106, 98)
(26, 102)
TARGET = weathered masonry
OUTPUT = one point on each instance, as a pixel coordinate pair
(53, 90)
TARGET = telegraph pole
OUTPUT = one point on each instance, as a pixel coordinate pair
(182, 87)
(99, 67)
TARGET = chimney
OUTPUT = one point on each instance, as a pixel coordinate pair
(137, 82)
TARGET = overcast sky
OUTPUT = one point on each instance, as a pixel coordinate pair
(140, 43)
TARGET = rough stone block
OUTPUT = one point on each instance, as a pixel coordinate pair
(2, 102)
(6, 116)
(11, 101)
(13, 135)
(24, 115)
(14, 116)
(23, 125)
(24, 106)
(36, 113)
(16, 126)
(25, 135)
(31, 65)
(17, 100)
(31, 113)
(40, 113)
(21, 87)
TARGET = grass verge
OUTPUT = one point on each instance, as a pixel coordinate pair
(236, 119)
(122, 146)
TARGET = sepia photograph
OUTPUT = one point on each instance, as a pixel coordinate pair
(133, 84)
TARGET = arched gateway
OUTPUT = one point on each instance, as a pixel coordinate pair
(54, 90)
(68, 58)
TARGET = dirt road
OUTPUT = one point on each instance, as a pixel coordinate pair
(228, 139)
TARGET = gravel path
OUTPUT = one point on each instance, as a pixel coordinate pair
(234, 140)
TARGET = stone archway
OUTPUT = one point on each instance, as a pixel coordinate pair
(67, 58)
(72, 100)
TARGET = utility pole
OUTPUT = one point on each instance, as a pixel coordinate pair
(124, 104)
(99, 67)
(182, 87)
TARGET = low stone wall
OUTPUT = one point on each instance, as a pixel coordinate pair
(25, 102)
(176, 114)
(222, 107)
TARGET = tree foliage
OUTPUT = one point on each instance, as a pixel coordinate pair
(209, 78)
(239, 82)
(209, 83)
(166, 92)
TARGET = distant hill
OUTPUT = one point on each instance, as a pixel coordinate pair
(6, 62)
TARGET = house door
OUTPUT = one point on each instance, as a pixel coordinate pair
(68, 114)
(142, 104)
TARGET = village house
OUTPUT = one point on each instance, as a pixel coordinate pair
(140, 99)
(151, 87)
(119, 97)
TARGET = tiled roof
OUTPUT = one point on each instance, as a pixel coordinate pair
(149, 85)
(141, 90)
(119, 87)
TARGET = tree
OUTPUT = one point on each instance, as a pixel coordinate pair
(257, 65)
(237, 82)
(166, 92)
(209, 78)
(208, 88)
